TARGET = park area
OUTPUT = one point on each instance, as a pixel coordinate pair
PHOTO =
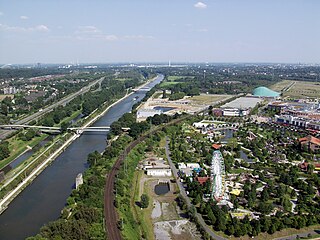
(297, 89)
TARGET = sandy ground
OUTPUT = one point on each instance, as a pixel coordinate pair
(175, 229)
(156, 212)
(168, 223)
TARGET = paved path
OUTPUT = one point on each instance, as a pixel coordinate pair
(294, 236)
(185, 196)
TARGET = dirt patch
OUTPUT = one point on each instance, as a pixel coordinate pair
(175, 229)
(156, 212)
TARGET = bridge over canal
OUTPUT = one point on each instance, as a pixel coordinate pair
(78, 130)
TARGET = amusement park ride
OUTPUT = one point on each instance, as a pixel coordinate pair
(218, 175)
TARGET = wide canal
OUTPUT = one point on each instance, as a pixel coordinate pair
(43, 200)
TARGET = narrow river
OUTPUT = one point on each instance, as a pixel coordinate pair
(43, 200)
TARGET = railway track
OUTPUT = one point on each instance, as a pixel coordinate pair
(110, 213)
(111, 217)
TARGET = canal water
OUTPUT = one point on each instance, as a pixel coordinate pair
(43, 200)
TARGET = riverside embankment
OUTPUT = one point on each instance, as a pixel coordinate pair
(43, 200)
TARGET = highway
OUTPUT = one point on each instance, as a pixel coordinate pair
(37, 115)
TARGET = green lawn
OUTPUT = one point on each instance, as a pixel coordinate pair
(174, 78)
(298, 89)
(142, 216)
(17, 147)
(166, 84)
(73, 116)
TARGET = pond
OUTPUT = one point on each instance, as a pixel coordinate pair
(162, 188)
(227, 134)
(245, 157)
(163, 109)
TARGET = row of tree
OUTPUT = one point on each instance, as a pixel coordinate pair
(4, 150)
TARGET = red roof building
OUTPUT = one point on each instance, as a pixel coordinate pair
(216, 146)
(304, 166)
(202, 180)
(312, 143)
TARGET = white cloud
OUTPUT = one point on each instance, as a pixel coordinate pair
(110, 37)
(24, 17)
(1, 13)
(138, 37)
(42, 28)
(101, 37)
(200, 5)
(88, 30)
(39, 28)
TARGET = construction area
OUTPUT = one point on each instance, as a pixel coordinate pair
(157, 105)
(168, 221)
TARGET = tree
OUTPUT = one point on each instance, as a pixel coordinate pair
(144, 201)
(285, 202)
(93, 158)
(272, 229)
(310, 168)
(4, 150)
(64, 126)
(232, 143)
(264, 195)
(211, 217)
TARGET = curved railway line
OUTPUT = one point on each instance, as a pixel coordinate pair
(110, 213)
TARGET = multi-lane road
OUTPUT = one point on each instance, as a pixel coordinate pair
(37, 115)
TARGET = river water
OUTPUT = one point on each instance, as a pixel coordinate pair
(43, 200)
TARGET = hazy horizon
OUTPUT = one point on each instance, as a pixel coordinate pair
(144, 31)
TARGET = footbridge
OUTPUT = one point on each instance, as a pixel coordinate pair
(147, 89)
(23, 126)
(78, 130)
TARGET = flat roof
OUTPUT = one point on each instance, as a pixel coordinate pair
(243, 102)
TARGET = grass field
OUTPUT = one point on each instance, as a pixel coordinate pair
(174, 78)
(3, 96)
(17, 147)
(141, 215)
(279, 86)
(205, 99)
(166, 84)
(297, 89)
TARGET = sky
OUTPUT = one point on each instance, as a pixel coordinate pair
(108, 31)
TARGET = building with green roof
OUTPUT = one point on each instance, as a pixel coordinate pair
(265, 92)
